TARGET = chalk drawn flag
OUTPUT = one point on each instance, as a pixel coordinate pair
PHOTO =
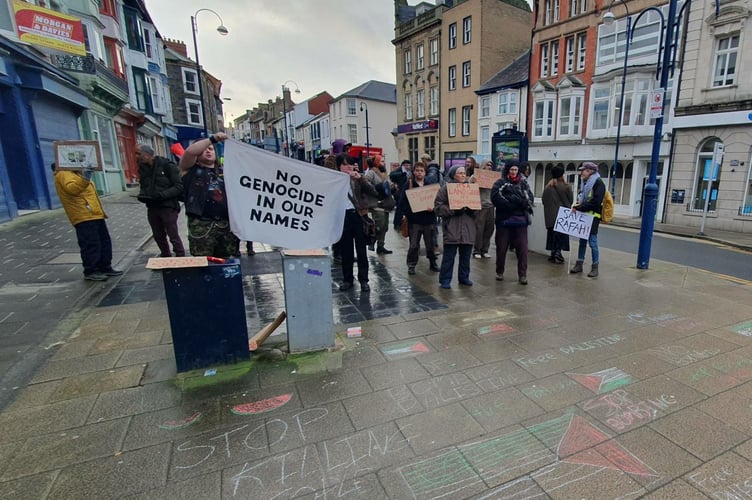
(281, 201)
(577, 224)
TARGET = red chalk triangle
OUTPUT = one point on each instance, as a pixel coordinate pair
(592, 382)
(624, 460)
(580, 435)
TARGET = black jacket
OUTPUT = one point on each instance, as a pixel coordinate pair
(160, 184)
(511, 199)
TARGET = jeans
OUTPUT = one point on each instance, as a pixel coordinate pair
(447, 262)
(593, 242)
(164, 224)
(95, 245)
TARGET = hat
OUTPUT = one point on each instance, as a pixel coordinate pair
(406, 162)
(588, 165)
(557, 172)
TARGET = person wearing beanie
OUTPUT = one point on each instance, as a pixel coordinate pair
(590, 200)
(379, 179)
(513, 199)
(484, 220)
(556, 194)
(420, 224)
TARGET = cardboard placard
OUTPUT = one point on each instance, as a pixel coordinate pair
(486, 178)
(422, 198)
(77, 155)
(463, 195)
(176, 262)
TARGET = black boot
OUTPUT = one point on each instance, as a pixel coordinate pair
(433, 267)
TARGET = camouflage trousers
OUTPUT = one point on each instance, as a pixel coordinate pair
(212, 238)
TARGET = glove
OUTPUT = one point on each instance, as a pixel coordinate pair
(87, 173)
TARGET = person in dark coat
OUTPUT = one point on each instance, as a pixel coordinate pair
(399, 176)
(513, 199)
(556, 194)
(420, 224)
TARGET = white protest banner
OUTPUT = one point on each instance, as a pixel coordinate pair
(577, 224)
(281, 201)
(422, 198)
(463, 195)
(486, 178)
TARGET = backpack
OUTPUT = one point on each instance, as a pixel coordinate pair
(607, 209)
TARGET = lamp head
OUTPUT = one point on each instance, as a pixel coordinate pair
(609, 18)
(222, 30)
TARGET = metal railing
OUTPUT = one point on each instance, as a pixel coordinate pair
(89, 65)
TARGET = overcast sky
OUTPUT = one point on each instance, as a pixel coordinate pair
(322, 45)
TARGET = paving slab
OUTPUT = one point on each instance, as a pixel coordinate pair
(27, 422)
(134, 401)
(201, 487)
(55, 370)
(92, 383)
(36, 486)
(496, 410)
(676, 489)
(402, 371)
(439, 427)
(331, 387)
(726, 476)
(393, 403)
(492, 377)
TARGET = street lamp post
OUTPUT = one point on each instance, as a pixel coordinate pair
(286, 135)
(368, 139)
(608, 19)
(222, 30)
(669, 45)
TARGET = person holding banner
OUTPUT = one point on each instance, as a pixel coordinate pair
(458, 229)
(513, 199)
(590, 200)
(421, 223)
(484, 219)
(362, 197)
(206, 201)
(557, 193)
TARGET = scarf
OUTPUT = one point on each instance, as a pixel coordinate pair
(587, 187)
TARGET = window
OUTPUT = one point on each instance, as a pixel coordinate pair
(465, 120)
(453, 35)
(419, 59)
(190, 81)
(412, 149)
(107, 8)
(193, 112)
(581, 50)
(421, 98)
(507, 103)
(408, 61)
(636, 96)
(466, 74)
(143, 92)
(429, 143)
(485, 107)
(452, 77)
(485, 140)
(433, 46)
(133, 29)
(434, 97)
(544, 60)
(452, 122)
(408, 106)
(155, 87)
(577, 7)
(467, 27)
(351, 107)
(725, 61)
(543, 117)
(600, 108)
(707, 174)
(570, 116)
(554, 58)
(147, 43)
(547, 13)
(746, 208)
(612, 40)
(113, 53)
(557, 9)
(352, 132)
(570, 54)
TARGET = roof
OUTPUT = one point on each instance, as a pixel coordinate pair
(374, 91)
(514, 75)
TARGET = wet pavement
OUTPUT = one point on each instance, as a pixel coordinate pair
(635, 384)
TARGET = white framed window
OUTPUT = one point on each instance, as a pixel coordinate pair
(706, 175)
(724, 72)
(612, 39)
(433, 93)
(569, 47)
(467, 27)
(351, 111)
(148, 43)
(408, 106)
(408, 58)
(465, 120)
(543, 116)
(190, 81)
(555, 58)
(452, 77)
(466, 74)
(547, 13)
(421, 101)
(352, 133)
(507, 103)
(601, 103)
(570, 115)
(193, 112)
(453, 35)
(433, 47)
(485, 140)
(581, 50)
(485, 107)
(419, 58)
(557, 9)
(155, 88)
(577, 7)
(544, 60)
(452, 130)
(636, 97)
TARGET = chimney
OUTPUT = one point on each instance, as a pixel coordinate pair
(177, 46)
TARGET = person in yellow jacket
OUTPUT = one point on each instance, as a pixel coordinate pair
(81, 203)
